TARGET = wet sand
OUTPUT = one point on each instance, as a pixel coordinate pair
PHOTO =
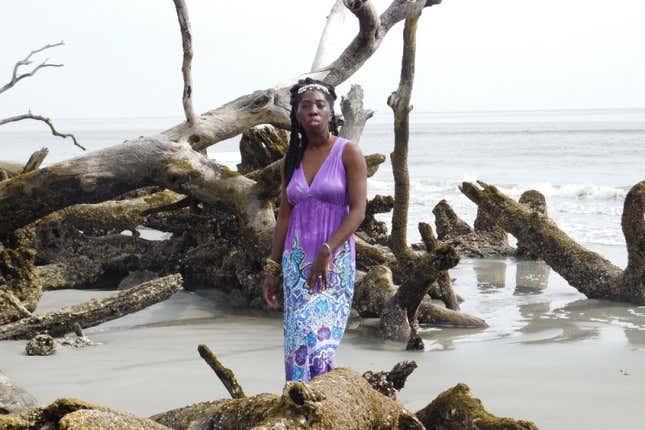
(550, 355)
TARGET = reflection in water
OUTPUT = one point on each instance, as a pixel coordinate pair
(531, 277)
(490, 274)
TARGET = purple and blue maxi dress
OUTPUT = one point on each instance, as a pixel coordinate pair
(314, 323)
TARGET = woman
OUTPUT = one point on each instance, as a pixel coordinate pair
(322, 203)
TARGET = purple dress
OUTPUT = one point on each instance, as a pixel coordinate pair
(314, 323)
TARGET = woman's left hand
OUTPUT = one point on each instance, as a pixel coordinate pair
(319, 269)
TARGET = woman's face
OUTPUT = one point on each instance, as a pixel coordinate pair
(314, 112)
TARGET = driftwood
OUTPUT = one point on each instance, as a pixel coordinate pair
(587, 271)
(224, 374)
(339, 399)
(485, 240)
(94, 312)
(14, 399)
(73, 414)
(446, 291)
(375, 292)
(535, 201)
(390, 383)
(19, 293)
(35, 160)
(371, 230)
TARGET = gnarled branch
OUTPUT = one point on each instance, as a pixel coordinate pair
(15, 77)
(46, 121)
(187, 43)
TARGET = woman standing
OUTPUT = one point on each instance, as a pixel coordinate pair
(322, 203)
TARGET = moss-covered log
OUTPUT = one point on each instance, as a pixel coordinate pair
(535, 201)
(73, 414)
(587, 271)
(94, 312)
(261, 146)
(456, 409)
(483, 241)
(340, 399)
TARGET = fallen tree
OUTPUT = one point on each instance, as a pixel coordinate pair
(94, 312)
(585, 270)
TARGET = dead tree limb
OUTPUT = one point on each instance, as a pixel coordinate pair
(419, 271)
(390, 383)
(35, 160)
(46, 121)
(94, 312)
(225, 374)
(15, 77)
(334, 19)
(271, 106)
(187, 44)
(445, 284)
(588, 272)
(113, 171)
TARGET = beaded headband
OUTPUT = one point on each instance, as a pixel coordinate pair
(313, 87)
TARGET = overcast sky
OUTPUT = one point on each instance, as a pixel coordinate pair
(123, 58)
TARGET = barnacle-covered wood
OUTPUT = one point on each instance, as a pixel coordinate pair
(225, 374)
(587, 271)
(94, 312)
(19, 291)
(535, 201)
(457, 409)
(261, 146)
(339, 399)
(445, 284)
(73, 414)
(486, 240)
(372, 230)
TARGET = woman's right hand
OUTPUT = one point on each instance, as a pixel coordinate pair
(269, 288)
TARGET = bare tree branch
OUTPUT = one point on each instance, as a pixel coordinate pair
(15, 77)
(35, 160)
(187, 43)
(334, 19)
(46, 121)
(271, 106)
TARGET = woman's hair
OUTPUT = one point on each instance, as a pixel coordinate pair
(297, 140)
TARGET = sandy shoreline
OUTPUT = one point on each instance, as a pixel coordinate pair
(590, 377)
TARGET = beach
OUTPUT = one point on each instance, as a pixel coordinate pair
(550, 355)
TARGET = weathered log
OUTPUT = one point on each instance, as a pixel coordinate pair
(112, 216)
(94, 312)
(535, 201)
(271, 106)
(484, 241)
(224, 374)
(587, 271)
(113, 171)
(339, 399)
(14, 399)
(456, 409)
(445, 284)
(73, 414)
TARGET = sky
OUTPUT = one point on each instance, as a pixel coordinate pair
(123, 58)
